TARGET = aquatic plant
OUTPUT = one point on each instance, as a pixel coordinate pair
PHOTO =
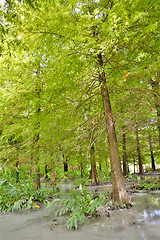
(77, 205)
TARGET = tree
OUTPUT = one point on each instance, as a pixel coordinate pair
(93, 61)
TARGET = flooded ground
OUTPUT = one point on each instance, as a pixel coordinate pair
(140, 222)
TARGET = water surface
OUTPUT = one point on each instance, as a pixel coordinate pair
(140, 222)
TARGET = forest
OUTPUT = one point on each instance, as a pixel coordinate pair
(79, 100)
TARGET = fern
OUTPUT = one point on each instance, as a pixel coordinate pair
(77, 206)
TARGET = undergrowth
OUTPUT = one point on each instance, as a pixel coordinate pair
(76, 206)
(16, 196)
(150, 184)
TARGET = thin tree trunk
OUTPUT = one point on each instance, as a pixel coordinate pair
(53, 172)
(37, 129)
(125, 170)
(82, 169)
(139, 151)
(17, 171)
(93, 174)
(100, 167)
(36, 159)
(134, 162)
(156, 93)
(158, 121)
(46, 171)
(118, 187)
(151, 150)
(65, 164)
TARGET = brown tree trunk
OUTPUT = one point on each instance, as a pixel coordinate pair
(93, 174)
(36, 159)
(158, 121)
(37, 129)
(156, 93)
(46, 171)
(65, 164)
(82, 169)
(100, 167)
(17, 171)
(53, 172)
(125, 170)
(151, 150)
(134, 162)
(118, 187)
(139, 151)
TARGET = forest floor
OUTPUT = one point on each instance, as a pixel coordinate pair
(140, 222)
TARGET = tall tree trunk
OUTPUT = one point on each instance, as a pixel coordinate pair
(37, 129)
(139, 151)
(53, 172)
(65, 164)
(118, 187)
(125, 170)
(82, 169)
(100, 167)
(158, 121)
(134, 162)
(46, 171)
(93, 174)
(156, 92)
(151, 150)
(36, 159)
(17, 171)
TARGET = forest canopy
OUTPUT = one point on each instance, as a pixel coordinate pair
(72, 71)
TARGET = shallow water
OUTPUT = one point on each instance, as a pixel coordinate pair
(140, 222)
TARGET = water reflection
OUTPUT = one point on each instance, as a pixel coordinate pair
(152, 217)
(142, 234)
(140, 222)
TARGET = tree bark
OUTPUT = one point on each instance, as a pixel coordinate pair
(118, 187)
(46, 171)
(134, 162)
(151, 150)
(37, 128)
(82, 169)
(100, 167)
(125, 170)
(53, 172)
(36, 159)
(93, 174)
(17, 171)
(65, 164)
(156, 93)
(139, 151)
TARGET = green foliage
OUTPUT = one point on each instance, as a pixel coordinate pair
(131, 176)
(149, 184)
(82, 181)
(15, 196)
(104, 177)
(54, 45)
(77, 205)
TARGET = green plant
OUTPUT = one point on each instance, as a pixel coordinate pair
(77, 205)
(146, 186)
(82, 182)
(15, 196)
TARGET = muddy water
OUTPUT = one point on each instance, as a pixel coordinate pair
(142, 222)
